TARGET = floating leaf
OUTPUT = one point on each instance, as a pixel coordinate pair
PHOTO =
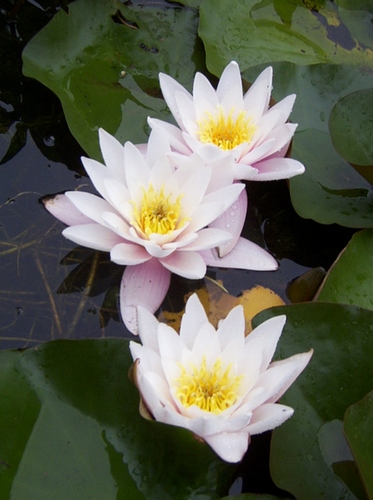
(263, 32)
(358, 425)
(217, 303)
(303, 288)
(342, 339)
(350, 279)
(80, 435)
(102, 59)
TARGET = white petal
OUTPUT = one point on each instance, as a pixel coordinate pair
(209, 238)
(192, 320)
(137, 170)
(169, 88)
(129, 254)
(268, 333)
(158, 146)
(204, 95)
(229, 88)
(97, 173)
(147, 328)
(278, 168)
(232, 327)
(245, 255)
(90, 205)
(64, 210)
(267, 417)
(187, 264)
(174, 135)
(143, 285)
(256, 99)
(112, 153)
(299, 363)
(232, 221)
(92, 236)
(230, 446)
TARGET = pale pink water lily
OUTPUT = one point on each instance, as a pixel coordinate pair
(252, 136)
(153, 219)
(219, 384)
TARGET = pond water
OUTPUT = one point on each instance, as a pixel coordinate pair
(50, 289)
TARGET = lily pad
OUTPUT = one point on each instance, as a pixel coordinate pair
(102, 59)
(351, 127)
(350, 279)
(70, 428)
(262, 32)
(342, 339)
(358, 424)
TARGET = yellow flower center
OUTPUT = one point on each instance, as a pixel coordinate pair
(212, 390)
(226, 132)
(157, 213)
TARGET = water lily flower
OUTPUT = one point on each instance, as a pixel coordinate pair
(225, 123)
(153, 219)
(219, 384)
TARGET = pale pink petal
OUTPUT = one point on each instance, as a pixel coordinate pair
(192, 320)
(169, 88)
(230, 446)
(137, 170)
(92, 236)
(97, 173)
(231, 328)
(256, 99)
(143, 285)
(208, 238)
(64, 210)
(285, 105)
(299, 363)
(90, 205)
(187, 264)
(268, 333)
(229, 90)
(278, 168)
(245, 255)
(148, 327)
(129, 254)
(112, 152)
(204, 95)
(187, 112)
(267, 417)
(158, 145)
(232, 221)
(174, 135)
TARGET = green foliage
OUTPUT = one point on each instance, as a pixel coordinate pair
(79, 434)
(340, 374)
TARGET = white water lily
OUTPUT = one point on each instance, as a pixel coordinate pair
(219, 384)
(152, 218)
(225, 123)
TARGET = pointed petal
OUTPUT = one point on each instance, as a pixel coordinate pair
(112, 153)
(230, 446)
(192, 320)
(169, 88)
(229, 89)
(147, 328)
(278, 168)
(129, 254)
(143, 285)
(174, 135)
(245, 255)
(92, 236)
(256, 99)
(268, 333)
(64, 210)
(232, 221)
(267, 417)
(90, 205)
(204, 95)
(187, 264)
(158, 146)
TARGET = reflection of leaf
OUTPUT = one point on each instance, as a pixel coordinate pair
(81, 430)
(339, 374)
(218, 303)
(105, 72)
(17, 142)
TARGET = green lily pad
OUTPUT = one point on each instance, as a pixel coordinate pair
(342, 339)
(70, 428)
(351, 127)
(358, 424)
(102, 59)
(300, 32)
(350, 279)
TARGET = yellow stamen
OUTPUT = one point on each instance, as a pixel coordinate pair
(212, 390)
(157, 213)
(225, 131)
